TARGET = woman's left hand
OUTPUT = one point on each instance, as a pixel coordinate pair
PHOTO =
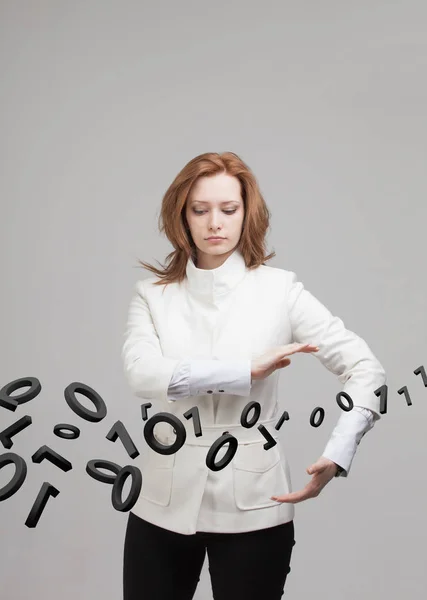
(323, 471)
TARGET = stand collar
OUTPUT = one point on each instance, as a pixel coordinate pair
(211, 283)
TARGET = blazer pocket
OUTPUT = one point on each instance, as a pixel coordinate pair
(258, 474)
(157, 478)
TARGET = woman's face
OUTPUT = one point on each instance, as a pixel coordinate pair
(215, 208)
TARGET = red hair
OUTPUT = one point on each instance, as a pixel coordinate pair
(173, 222)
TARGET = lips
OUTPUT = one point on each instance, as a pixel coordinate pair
(216, 238)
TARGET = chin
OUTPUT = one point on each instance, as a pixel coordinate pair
(220, 248)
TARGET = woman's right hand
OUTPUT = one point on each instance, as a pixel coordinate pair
(267, 363)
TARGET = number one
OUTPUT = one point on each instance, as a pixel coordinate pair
(46, 490)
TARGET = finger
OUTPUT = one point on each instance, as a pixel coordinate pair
(309, 348)
(294, 348)
(286, 499)
(284, 362)
(292, 497)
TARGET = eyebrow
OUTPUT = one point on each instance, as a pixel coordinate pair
(207, 202)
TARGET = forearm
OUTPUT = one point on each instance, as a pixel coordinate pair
(196, 377)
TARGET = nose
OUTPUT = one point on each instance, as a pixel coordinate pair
(214, 222)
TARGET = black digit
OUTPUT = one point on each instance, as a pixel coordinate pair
(244, 416)
(421, 371)
(20, 474)
(340, 403)
(313, 415)
(194, 414)
(283, 418)
(404, 390)
(162, 417)
(7, 434)
(93, 466)
(34, 515)
(216, 446)
(11, 402)
(44, 452)
(116, 492)
(80, 410)
(382, 393)
(271, 442)
(144, 409)
(75, 431)
(118, 430)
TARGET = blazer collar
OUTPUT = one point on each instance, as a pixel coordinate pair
(211, 283)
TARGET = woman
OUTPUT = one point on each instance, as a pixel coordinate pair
(211, 330)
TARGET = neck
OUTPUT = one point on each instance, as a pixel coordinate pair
(209, 261)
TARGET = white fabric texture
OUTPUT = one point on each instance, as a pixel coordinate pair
(212, 319)
(194, 377)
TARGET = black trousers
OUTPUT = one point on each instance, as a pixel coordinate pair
(159, 564)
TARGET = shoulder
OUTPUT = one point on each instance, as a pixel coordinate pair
(148, 290)
(277, 275)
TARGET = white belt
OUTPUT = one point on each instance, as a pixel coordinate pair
(213, 432)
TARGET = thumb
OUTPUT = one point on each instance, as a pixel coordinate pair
(313, 469)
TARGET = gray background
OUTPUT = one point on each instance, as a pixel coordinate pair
(102, 103)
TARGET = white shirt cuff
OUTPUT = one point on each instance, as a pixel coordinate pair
(199, 377)
(351, 427)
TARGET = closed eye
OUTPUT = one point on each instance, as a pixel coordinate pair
(227, 212)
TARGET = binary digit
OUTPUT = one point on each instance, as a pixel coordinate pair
(116, 492)
(118, 430)
(340, 403)
(46, 453)
(80, 410)
(271, 442)
(7, 434)
(313, 415)
(11, 402)
(45, 492)
(226, 438)
(18, 479)
(75, 431)
(144, 410)
(404, 390)
(193, 413)
(421, 371)
(244, 416)
(283, 418)
(382, 393)
(181, 434)
(93, 466)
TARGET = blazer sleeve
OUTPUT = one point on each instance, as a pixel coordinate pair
(147, 371)
(341, 351)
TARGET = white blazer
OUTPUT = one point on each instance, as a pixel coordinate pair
(229, 314)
